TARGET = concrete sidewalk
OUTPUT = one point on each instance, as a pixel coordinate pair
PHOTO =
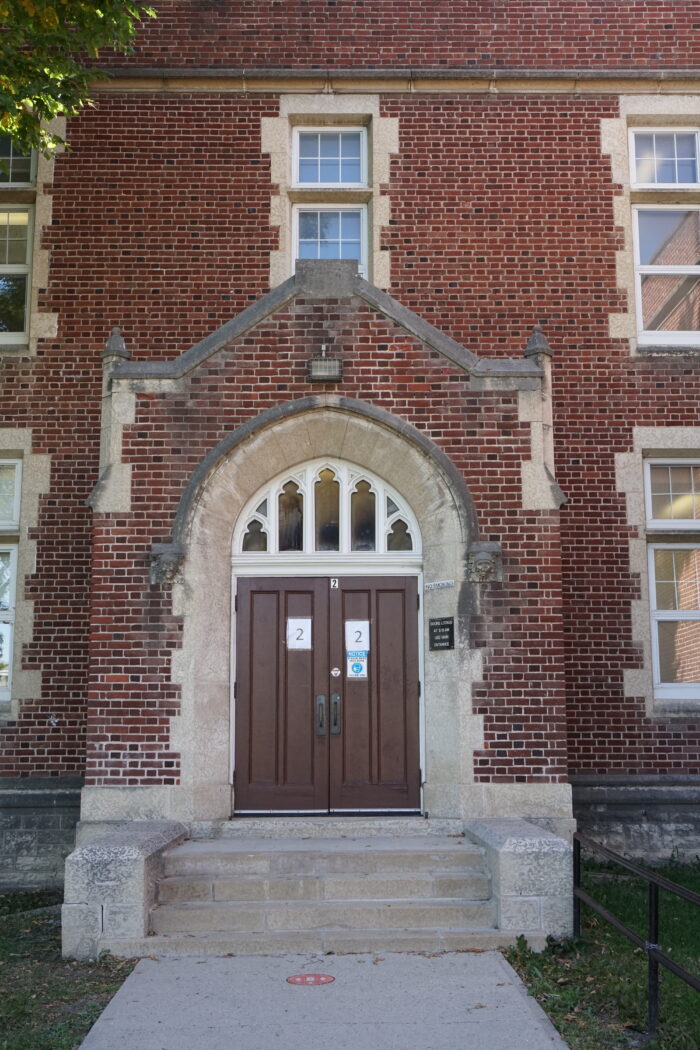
(450, 1001)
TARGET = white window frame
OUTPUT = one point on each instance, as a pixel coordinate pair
(321, 129)
(12, 524)
(662, 131)
(672, 527)
(299, 209)
(24, 268)
(656, 336)
(7, 617)
(666, 690)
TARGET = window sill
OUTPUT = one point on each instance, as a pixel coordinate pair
(668, 350)
(681, 708)
(335, 196)
(14, 348)
(20, 195)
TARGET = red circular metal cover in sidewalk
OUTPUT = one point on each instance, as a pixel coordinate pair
(310, 978)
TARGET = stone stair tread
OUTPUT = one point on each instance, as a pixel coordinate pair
(423, 902)
(326, 941)
(328, 826)
(309, 915)
(388, 844)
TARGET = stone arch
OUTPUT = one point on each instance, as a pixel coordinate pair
(240, 440)
(219, 491)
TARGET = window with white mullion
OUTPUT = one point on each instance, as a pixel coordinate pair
(674, 576)
(672, 494)
(303, 514)
(331, 231)
(10, 489)
(15, 259)
(667, 272)
(664, 157)
(8, 585)
(330, 157)
(16, 168)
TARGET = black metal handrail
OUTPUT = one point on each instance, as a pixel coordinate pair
(655, 956)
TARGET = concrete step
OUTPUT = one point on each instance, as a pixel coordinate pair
(323, 941)
(302, 916)
(240, 887)
(292, 856)
(324, 827)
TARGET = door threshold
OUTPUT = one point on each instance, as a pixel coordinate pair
(327, 813)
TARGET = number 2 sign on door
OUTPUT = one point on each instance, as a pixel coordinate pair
(299, 632)
(357, 635)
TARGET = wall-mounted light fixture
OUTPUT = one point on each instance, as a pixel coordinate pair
(325, 369)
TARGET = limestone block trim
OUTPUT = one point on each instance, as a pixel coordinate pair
(110, 886)
(629, 470)
(531, 872)
(659, 110)
(539, 486)
(36, 476)
(334, 110)
(112, 493)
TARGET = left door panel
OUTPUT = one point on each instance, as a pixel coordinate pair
(281, 750)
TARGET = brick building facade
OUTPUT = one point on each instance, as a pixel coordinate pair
(513, 190)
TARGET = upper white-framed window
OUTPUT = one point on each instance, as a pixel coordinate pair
(8, 586)
(327, 509)
(667, 272)
(672, 495)
(16, 168)
(665, 157)
(327, 157)
(331, 231)
(15, 270)
(10, 490)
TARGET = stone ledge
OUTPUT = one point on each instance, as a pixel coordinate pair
(110, 885)
(531, 873)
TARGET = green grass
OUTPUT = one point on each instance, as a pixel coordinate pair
(594, 988)
(47, 1003)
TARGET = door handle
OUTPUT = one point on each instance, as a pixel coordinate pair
(335, 713)
(320, 715)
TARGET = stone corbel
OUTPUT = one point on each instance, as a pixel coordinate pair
(484, 563)
(166, 562)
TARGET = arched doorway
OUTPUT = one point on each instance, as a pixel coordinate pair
(327, 562)
(219, 501)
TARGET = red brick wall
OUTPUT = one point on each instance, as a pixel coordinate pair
(501, 217)
(521, 34)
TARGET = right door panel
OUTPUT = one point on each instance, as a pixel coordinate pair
(374, 760)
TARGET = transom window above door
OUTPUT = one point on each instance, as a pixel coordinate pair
(327, 508)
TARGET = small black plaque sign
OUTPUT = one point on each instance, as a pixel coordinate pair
(441, 632)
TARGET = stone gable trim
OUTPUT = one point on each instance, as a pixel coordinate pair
(327, 280)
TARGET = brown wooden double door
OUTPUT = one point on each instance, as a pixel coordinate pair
(316, 730)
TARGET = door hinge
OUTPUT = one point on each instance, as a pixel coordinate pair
(235, 603)
(419, 689)
(418, 601)
(235, 690)
(420, 778)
